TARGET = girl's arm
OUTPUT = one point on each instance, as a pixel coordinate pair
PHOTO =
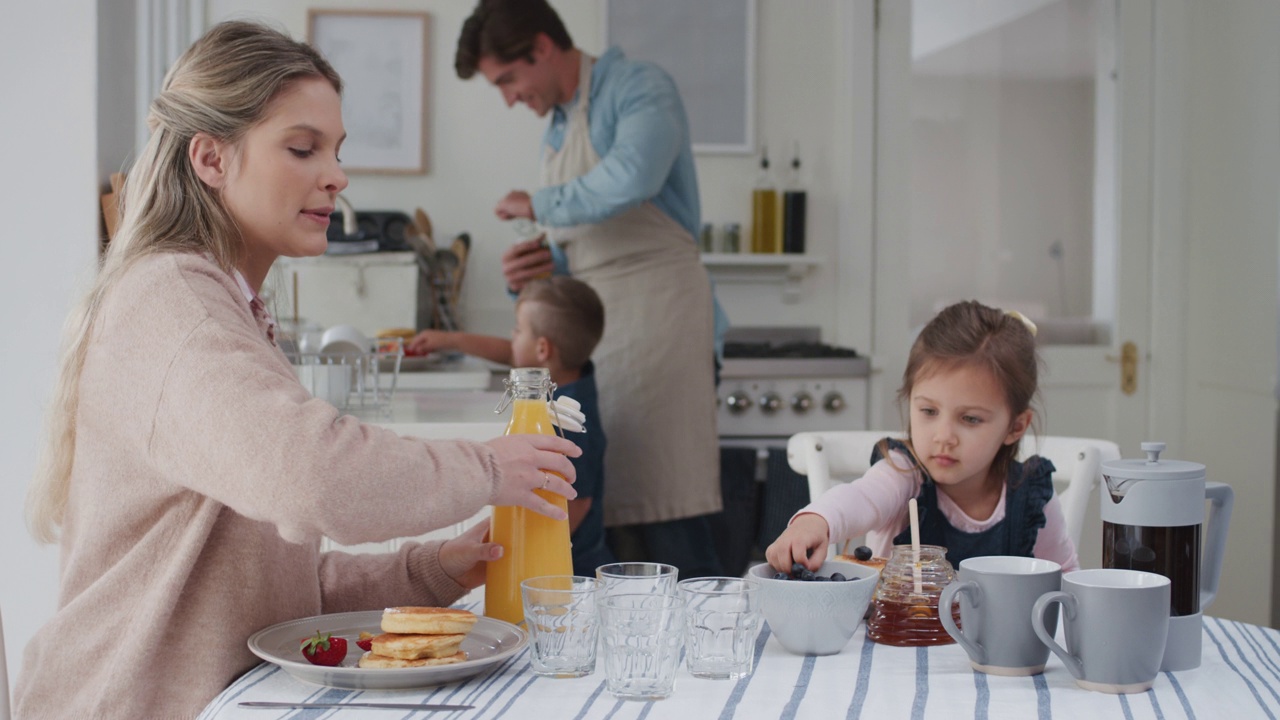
(1053, 543)
(870, 502)
(845, 511)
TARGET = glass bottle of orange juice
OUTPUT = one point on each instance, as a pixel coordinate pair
(533, 544)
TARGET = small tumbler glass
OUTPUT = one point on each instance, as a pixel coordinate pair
(560, 615)
(643, 638)
(637, 578)
(722, 620)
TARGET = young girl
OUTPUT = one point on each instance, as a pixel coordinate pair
(189, 473)
(968, 387)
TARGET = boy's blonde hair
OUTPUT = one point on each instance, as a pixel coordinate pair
(223, 85)
(569, 314)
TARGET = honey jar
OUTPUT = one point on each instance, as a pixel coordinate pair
(902, 616)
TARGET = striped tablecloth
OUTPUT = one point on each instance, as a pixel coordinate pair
(1239, 678)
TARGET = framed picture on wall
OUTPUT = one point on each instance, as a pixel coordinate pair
(382, 58)
(709, 48)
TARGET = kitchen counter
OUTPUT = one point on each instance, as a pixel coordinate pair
(440, 413)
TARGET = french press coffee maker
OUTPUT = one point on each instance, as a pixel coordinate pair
(1152, 514)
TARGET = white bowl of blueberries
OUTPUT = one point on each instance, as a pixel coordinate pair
(814, 613)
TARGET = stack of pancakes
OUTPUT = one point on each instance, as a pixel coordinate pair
(419, 637)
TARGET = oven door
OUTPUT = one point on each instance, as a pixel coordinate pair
(761, 492)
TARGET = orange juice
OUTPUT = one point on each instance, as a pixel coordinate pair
(533, 544)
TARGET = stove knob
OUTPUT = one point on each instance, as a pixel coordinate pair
(802, 402)
(738, 402)
(770, 403)
(833, 402)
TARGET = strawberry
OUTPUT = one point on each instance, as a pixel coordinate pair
(365, 642)
(324, 649)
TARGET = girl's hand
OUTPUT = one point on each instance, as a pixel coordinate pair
(463, 558)
(533, 462)
(804, 541)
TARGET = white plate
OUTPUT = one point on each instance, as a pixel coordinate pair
(490, 642)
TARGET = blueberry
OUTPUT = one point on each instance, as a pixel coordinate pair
(781, 576)
(821, 578)
(838, 577)
(798, 569)
(862, 552)
(807, 575)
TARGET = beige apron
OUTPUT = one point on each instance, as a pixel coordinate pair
(654, 366)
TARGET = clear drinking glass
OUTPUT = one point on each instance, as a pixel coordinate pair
(560, 615)
(643, 637)
(722, 619)
(637, 578)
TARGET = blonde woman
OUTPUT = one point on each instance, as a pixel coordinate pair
(187, 475)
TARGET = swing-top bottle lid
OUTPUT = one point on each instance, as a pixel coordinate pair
(1152, 467)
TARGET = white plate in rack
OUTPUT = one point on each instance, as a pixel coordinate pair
(489, 643)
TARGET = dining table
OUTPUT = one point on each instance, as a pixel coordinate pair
(1238, 678)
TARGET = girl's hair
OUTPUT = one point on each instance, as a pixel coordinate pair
(970, 334)
(223, 85)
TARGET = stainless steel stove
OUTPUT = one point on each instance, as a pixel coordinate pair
(778, 381)
(775, 382)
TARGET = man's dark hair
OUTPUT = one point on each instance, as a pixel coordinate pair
(504, 30)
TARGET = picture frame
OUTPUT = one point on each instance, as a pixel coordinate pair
(382, 58)
(709, 48)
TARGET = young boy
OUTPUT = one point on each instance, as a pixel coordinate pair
(559, 320)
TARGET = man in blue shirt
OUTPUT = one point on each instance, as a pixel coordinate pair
(619, 199)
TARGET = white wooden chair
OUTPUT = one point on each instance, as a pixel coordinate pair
(841, 456)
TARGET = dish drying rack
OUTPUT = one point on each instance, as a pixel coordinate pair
(368, 384)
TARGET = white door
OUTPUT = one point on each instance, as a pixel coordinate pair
(1182, 242)
(1014, 154)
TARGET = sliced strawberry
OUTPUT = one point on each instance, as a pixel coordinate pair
(324, 649)
(365, 642)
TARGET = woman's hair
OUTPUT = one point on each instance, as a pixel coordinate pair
(505, 30)
(569, 314)
(223, 85)
(970, 334)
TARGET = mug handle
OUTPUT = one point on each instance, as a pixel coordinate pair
(1068, 602)
(976, 652)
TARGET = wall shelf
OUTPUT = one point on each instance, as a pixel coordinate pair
(781, 269)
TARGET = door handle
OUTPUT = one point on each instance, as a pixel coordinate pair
(1128, 367)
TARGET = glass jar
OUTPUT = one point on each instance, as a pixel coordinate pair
(533, 544)
(899, 615)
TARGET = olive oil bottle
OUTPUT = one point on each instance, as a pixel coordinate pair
(766, 216)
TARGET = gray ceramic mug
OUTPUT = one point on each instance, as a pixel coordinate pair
(1115, 622)
(996, 594)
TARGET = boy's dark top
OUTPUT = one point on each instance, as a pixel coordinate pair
(589, 550)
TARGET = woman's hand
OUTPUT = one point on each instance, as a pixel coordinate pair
(804, 541)
(428, 341)
(534, 462)
(525, 261)
(463, 558)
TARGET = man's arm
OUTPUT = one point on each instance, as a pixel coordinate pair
(649, 134)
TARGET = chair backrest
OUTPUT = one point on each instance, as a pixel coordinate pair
(841, 456)
(4, 678)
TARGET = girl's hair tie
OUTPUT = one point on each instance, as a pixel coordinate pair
(1031, 327)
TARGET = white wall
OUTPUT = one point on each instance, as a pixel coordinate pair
(479, 149)
(48, 197)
